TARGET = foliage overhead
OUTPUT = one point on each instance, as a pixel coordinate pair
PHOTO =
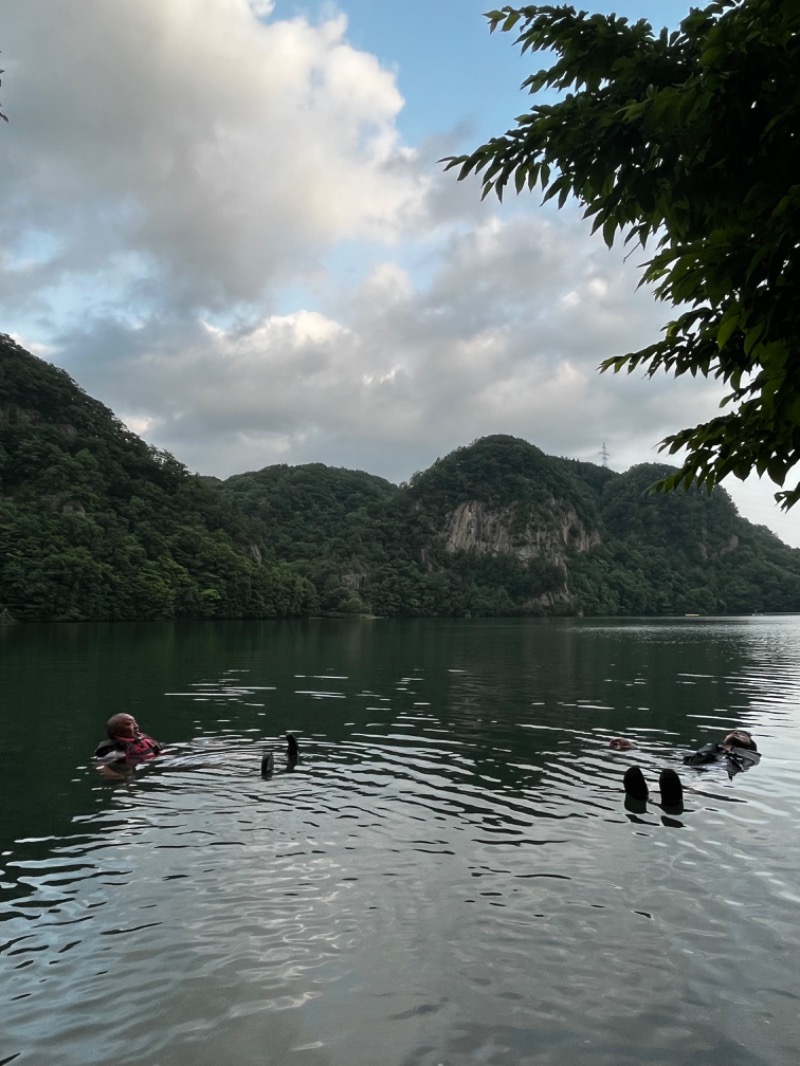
(689, 139)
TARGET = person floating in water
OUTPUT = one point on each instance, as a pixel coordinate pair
(737, 750)
(125, 747)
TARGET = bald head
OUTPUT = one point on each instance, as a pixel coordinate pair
(122, 727)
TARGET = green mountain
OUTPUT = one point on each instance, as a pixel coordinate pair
(334, 526)
(669, 553)
(95, 524)
(499, 527)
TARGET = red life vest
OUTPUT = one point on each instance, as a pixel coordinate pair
(140, 749)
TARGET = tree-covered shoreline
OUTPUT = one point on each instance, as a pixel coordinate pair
(97, 525)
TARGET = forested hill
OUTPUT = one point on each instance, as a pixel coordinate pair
(501, 528)
(95, 524)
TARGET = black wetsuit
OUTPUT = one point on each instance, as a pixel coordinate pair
(736, 759)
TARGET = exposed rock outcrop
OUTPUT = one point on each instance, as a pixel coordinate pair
(473, 527)
(731, 546)
(251, 551)
(355, 578)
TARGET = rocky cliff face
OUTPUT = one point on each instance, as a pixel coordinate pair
(473, 527)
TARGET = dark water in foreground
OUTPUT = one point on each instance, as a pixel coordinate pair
(449, 877)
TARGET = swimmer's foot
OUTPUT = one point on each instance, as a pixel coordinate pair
(292, 757)
(293, 753)
(635, 784)
(267, 764)
(671, 789)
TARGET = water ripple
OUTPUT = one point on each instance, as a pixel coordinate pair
(451, 868)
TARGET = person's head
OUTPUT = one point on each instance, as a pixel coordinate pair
(122, 727)
(740, 738)
(621, 744)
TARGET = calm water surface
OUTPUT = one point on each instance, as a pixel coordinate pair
(450, 876)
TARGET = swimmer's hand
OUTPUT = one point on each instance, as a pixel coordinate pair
(111, 775)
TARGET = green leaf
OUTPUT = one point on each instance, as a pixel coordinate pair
(511, 20)
(680, 138)
(776, 469)
(730, 322)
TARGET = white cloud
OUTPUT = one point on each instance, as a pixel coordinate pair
(402, 371)
(211, 221)
(191, 150)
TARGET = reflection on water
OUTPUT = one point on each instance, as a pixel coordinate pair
(449, 876)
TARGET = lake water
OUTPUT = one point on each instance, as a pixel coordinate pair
(450, 875)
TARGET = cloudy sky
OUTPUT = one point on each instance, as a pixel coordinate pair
(226, 220)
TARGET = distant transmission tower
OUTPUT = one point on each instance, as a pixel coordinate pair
(604, 454)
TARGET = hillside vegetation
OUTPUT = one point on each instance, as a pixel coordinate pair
(499, 527)
(95, 524)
